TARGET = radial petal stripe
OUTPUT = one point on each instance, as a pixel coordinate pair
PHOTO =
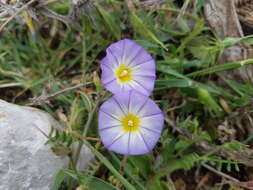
(116, 139)
(146, 144)
(152, 115)
(105, 128)
(115, 58)
(151, 130)
(144, 62)
(136, 133)
(110, 115)
(116, 101)
(129, 63)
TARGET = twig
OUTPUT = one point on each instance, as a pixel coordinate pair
(91, 139)
(229, 179)
(172, 185)
(79, 136)
(16, 13)
(220, 173)
(123, 164)
(171, 123)
(45, 98)
(152, 3)
(130, 5)
(9, 73)
(9, 85)
(19, 94)
(177, 107)
(183, 9)
(46, 3)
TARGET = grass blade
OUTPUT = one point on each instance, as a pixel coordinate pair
(110, 167)
(110, 23)
(141, 28)
(220, 68)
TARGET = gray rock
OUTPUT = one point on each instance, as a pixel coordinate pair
(26, 163)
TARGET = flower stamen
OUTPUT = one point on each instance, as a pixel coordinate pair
(124, 73)
(130, 123)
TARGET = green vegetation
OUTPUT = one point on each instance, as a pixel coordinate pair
(191, 89)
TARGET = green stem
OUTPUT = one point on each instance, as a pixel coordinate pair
(85, 130)
(222, 67)
(107, 163)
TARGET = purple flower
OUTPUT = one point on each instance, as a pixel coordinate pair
(127, 66)
(130, 123)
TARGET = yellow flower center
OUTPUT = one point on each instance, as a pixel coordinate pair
(124, 73)
(130, 123)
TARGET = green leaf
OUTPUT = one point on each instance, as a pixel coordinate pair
(141, 28)
(92, 182)
(128, 171)
(172, 83)
(86, 101)
(155, 184)
(110, 23)
(143, 164)
(196, 31)
(186, 163)
(206, 98)
(108, 164)
(98, 184)
(76, 114)
(61, 175)
(222, 67)
(228, 42)
(191, 83)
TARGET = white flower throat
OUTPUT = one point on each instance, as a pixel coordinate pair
(124, 73)
(130, 123)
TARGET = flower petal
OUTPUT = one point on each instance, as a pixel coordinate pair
(131, 51)
(114, 86)
(137, 145)
(105, 120)
(153, 122)
(142, 59)
(137, 101)
(116, 49)
(112, 108)
(120, 145)
(139, 62)
(145, 83)
(149, 138)
(110, 60)
(124, 100)
(107, 74)
(150, 108)
(111, 135)
(135, 54)
(146, 69)
(149, 127)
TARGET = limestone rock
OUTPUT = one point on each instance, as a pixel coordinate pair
(26, 163)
